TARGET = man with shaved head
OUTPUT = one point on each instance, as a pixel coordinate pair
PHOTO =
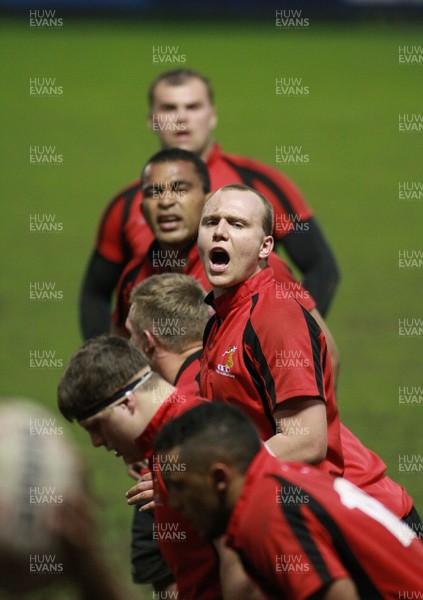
(265, 353)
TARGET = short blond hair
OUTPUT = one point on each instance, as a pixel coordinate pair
(268, 217)
(172, 307)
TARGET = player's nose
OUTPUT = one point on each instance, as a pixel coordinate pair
(167, 198)
(181, 115)
(221, 230)
(96, 439)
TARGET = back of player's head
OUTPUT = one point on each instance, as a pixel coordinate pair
(178, 77)
(171, 306)
(211, 432)
(268, 208)
(178, 154)
(95, 372)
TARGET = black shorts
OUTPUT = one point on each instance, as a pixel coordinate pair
(148, 565)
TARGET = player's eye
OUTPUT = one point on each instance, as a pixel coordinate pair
(208, 222)
(182, 189)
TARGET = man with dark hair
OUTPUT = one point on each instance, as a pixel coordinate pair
(175, 184)
(111, 391)
(183, 116)
(174, 191)
(266, 354)
(299, 533)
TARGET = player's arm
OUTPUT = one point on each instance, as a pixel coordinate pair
(311, 253)
(100, 280)
(234, 580)
(302, 427)
(331, 345)
(289, 285)
(341, 589)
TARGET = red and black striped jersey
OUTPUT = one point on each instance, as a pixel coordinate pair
(297, 530)
(193, 562)
(123, 232)
(189, 371)
(263, 348)
(159, 261)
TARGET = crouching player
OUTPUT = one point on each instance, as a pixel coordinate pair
(299, 532)
(110, 390)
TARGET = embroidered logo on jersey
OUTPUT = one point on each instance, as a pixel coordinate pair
(224, 369)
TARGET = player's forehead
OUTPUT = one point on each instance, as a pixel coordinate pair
(190, 91)
(235, 203)
(92, 423)
(169, 172)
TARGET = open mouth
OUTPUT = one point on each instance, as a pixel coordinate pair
(168, 222)
(182, 133)
(219, 259)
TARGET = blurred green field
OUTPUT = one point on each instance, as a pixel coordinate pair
(348, 124)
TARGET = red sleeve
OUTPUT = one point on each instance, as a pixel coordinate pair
(287, 284)
(112, 241)
(296, 572)
(279, 561)
(129, 278)
(109, 235)
(292, 358)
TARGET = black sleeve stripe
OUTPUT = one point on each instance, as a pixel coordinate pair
(248, 176)
(187, 362)
(314, 332)
(263, 381)
(125, 288)
(129, 199)
(208, 328)
(292, 512)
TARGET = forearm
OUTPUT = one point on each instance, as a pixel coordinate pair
(301, 430)
(297, 447)
(95, 300)
(341, 589)
(95, 315)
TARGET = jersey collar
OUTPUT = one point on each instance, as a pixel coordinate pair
(236, 296)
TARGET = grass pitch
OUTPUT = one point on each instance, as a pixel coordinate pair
(348, 125)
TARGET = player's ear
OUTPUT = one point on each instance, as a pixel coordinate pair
(130, 403)
(219, 474)
(148, 342)
(266, 246)
(150, 120)
(213, 119)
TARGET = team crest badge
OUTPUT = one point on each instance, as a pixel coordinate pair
(224, 369)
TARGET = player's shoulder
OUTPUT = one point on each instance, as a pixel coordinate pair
(127, 191)
(272, 307)
(131, 272)
(252, 164)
